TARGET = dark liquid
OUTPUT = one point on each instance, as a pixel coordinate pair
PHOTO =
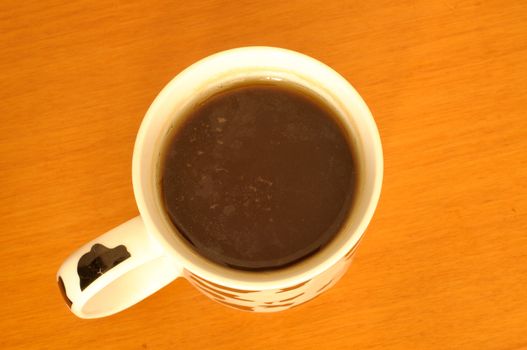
(258, 176)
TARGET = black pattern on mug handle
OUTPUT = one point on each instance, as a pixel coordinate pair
(63, 292)
(99, 260)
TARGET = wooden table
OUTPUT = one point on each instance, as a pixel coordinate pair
(444, 262)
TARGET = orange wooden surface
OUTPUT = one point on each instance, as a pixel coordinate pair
(443, 264)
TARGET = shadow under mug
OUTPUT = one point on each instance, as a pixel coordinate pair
(139, 257)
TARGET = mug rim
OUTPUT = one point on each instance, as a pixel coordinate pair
(193, 262)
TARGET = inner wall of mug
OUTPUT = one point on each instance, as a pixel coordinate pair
(166, 121)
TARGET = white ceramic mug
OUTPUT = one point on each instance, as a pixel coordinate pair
(137, 258)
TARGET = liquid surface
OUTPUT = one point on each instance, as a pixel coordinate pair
(258, 177)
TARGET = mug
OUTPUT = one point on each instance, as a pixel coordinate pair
(137, 258)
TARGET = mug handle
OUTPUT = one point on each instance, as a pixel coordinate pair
(115, 271)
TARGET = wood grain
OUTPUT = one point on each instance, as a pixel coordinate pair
(444, 262)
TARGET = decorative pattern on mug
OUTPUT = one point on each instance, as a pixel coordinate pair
(99, 260)
(273, 299)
